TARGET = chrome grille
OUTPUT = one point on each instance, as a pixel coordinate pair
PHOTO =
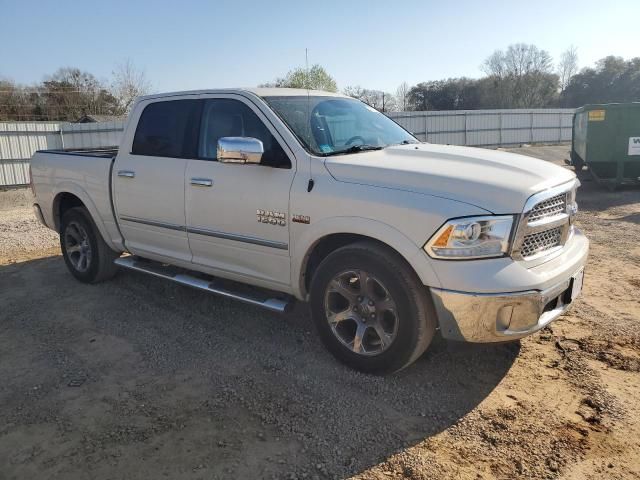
(549, 208)
(535, 243)
(545, 224)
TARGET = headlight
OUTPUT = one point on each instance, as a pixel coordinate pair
(473, 237)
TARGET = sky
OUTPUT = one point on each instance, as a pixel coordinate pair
(183, 45)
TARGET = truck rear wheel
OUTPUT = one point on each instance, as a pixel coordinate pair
(370, 308)
(85, 253)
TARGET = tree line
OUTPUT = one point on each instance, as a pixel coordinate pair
(70, 93)
(521, 76)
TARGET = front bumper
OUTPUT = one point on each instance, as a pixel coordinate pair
(499, 317)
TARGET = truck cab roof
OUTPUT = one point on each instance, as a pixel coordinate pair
(260, 92)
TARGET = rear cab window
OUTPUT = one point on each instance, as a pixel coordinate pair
(168, 129)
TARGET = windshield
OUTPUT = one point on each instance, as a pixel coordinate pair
(335, 125)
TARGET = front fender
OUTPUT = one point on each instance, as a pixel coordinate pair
(307, 236)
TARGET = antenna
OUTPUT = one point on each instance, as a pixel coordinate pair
(306, 63)
(306, 83)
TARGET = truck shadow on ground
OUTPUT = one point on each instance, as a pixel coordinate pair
(143, 378)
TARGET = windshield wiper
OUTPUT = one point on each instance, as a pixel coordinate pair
(353, 149)
(403, 142)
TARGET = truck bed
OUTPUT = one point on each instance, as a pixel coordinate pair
(85, 174)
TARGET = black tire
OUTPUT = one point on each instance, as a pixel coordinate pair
(77, 225)
(414, 313)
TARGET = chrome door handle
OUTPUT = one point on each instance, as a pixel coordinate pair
(202, 182)
(126, 173)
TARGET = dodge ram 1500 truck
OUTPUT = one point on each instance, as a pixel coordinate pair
(272, 195)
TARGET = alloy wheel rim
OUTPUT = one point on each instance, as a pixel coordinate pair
(77, 246)
(361, 312)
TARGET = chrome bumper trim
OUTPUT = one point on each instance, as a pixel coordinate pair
(498, 317)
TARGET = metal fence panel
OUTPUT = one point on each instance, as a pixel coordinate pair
(446, 138)
(20, 140)
(14, 172)
(450, 125)
(490, 128)
(519, 120)
(515, 136)
(483, 137)
(92, 135)
(415, 124)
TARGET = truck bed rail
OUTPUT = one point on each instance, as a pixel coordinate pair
(106, 152)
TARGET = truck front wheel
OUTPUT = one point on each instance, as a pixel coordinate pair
(85, 253)
(370, 308)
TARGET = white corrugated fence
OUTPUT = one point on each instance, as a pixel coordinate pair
(489, 128)
(485, 128)
(20, 140)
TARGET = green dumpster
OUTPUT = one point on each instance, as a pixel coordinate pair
(606, 138)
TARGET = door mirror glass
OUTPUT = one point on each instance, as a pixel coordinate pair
(240, 150)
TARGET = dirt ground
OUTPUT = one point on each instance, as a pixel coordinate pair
(140, 378)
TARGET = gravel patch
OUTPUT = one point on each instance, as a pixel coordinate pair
(21, 235)
(141, 378)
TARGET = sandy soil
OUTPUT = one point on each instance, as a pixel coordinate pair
(139, 378)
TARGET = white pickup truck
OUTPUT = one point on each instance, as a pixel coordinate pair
(272, 195)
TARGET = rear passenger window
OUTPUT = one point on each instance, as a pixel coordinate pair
(232, 118)
(168, 129)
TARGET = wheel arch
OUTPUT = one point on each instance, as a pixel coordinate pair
(62, 202)
(70, 196)
(315, 245)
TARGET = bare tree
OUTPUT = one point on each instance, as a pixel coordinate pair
(378, 99)
(128, 83)
(522, 76)
(568, 66)
(355, 91)
(389, 102)
(401, 96)
(65, 95)
(14, 101)
(69, 93)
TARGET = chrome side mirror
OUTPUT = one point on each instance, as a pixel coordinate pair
(240, 150)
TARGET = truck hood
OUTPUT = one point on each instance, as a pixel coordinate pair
(496, 181)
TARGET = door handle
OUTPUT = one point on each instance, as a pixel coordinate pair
(202, 182)
(126, 173)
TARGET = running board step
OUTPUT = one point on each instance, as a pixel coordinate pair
(226, 288)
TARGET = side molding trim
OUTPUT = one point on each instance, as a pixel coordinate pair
(209, 233)
(153, 223)
(239, 238)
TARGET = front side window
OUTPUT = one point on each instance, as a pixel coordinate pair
(232, 118)
(328, 125)
(167, 129)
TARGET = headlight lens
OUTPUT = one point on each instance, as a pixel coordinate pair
(473, 237)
